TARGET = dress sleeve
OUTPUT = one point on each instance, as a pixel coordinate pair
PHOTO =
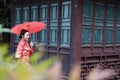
(19, 50)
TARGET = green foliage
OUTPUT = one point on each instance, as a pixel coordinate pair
(48, 69)
(11, 69)
(3, 51)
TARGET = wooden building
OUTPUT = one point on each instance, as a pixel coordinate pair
(79, 31)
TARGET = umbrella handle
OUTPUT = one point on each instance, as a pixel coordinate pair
(29, 40)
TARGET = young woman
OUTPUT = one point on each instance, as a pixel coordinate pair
(24, 50)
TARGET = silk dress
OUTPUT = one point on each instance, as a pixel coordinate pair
(23, 51)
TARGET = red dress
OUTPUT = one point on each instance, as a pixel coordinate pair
(23, 51)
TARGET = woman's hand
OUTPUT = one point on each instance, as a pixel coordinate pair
(17, 55)
(31, 44)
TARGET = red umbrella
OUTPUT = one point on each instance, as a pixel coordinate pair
(32, 27)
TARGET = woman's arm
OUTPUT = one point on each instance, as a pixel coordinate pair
(19, 50)
(31, 51)
(31, 47)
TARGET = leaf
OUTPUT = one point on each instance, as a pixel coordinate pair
(3, 73)
(22, 71)
(45, 65)
(34, 58)
(3, 50)
(37, 55)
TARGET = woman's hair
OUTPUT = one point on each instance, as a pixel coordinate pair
(23, 31)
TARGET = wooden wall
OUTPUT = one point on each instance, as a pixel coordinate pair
(87, 55)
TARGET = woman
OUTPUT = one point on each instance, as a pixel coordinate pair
(24, 50)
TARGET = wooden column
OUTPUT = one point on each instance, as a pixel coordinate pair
(59, 24)
(76, 31)
(104, 28)
(12, 24)
(48, 28)
(115, 30)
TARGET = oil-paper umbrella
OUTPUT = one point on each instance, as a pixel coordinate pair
(32, 27)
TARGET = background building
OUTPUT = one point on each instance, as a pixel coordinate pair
(79, 31)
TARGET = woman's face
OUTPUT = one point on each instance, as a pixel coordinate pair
(26, 36)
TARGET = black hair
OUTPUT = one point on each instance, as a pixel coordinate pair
(23, 31)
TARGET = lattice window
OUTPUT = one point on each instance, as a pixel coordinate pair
(98, 36)
(87, 12)
(109, 35)
(118, 36)
(109, 25)
(25, 14)
(98, 23)
(18, 15)
(53, 23)
(86, 35)
(118, 26)
(65, 26)
(110, 12)
(118, 13)
(43, 18)
(34, 15)
(17, 18)
(90, 62)
(87, 22)
(99, 11)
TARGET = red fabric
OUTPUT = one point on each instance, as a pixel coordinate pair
(25, 50)
(32, 27)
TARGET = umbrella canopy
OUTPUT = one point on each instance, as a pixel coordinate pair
(32, 27)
